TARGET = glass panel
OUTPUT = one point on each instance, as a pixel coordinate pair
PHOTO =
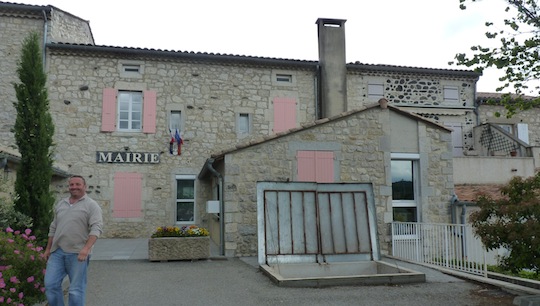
(123, 124)
(243, 123)
(136, 116)
(184, 211)
(402, 180)
(405, 214)
(136, 125)
(185, 189)
(175, 120)
(124, 115)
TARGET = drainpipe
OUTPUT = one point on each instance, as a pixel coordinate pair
(45, 29)
(221, 206)
(316, 93)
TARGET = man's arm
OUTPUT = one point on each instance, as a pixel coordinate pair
(83, 254)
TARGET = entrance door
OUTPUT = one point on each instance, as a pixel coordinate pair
(308, 222)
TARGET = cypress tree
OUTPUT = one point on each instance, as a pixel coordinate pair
(34, 132)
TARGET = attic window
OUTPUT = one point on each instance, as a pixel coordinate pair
(450, 93)
(131, 68)
(287, 78)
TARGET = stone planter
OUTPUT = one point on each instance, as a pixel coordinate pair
(178, 248)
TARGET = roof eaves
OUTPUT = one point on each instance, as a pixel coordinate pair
(357, 66)
(194, 56)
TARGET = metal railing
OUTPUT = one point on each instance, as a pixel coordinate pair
(452, 246)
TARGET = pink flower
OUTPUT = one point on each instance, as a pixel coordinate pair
(28, 231)
(44, 270)
(10, 240)
(17, 232)
(42, 289)
(14, 279)
(2, 285)
(30, 279)
(8, 300)
(21, 295)
(9, 230)
(29, 245)
(2, 268)
(12, 290)
(36, 285)
(17, 252)
(39, 249)
(32, 258)
(1, 299)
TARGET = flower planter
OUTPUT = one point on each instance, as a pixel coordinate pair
(178, 248)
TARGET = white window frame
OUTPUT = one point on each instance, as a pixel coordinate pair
(186, 200)
(414, 158)
(175, 124)
(243, 124)
(284, 78)
(132, 105)
(451, 94)
(375, 91)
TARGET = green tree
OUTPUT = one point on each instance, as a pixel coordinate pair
(33, 135)
(517, 53)
(512, 222)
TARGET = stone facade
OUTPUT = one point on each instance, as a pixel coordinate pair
(210, 91)
(362, 146)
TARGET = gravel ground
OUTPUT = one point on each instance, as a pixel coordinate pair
(239, 282)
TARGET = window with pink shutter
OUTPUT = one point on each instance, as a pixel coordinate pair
(315, 166)
(127, 199)
(108, 111)
(284, 114)
(149, 112)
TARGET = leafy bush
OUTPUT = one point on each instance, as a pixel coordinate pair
(22, 268)
(512, 222)
(184, 231)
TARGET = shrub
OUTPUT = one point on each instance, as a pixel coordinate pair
(512, 222)
(22, 268)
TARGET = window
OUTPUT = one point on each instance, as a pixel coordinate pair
(243, 124)
(404, 187)
(284, 114)
(131, 68)
(185, 199)
(375, 92)
(450, 93)
(175, 121)
(315, 166)
(286, 78)
(128, 111)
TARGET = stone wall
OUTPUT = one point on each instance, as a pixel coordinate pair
(360, 145)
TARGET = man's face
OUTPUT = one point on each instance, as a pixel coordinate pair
(76, 187)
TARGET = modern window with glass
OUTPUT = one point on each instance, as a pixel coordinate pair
(404, 190)
(185, 199)
(130, 111)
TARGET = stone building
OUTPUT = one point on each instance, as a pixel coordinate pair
(160, 133)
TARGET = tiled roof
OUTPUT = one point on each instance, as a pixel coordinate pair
(470, 192)
(497, 96)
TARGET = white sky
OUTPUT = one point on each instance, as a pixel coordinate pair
(416, 33)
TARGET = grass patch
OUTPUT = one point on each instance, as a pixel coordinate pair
(523, 273)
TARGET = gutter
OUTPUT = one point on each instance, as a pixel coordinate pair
(45, 29)
(209, 166)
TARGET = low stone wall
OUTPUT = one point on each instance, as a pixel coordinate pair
(178, 248)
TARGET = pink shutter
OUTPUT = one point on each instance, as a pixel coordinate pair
(149, 112)
(108, 111)
(306, 166)
(324, 165)
(127, 202)
(284, 114)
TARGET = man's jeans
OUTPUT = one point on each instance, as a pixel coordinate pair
(59, 265)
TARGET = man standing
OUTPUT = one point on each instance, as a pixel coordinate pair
(76, 226)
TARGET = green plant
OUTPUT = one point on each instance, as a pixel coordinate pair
(9, 217)
(22, 268)
(512, 222)
(184, 231)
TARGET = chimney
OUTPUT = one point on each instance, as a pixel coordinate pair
(333, 72)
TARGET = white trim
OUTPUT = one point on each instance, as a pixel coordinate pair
(412, 156)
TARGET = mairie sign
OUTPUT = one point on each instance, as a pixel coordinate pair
(127, 157)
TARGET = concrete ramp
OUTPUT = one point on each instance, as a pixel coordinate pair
(322, 235)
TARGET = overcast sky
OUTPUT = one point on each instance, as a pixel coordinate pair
(415, 33)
